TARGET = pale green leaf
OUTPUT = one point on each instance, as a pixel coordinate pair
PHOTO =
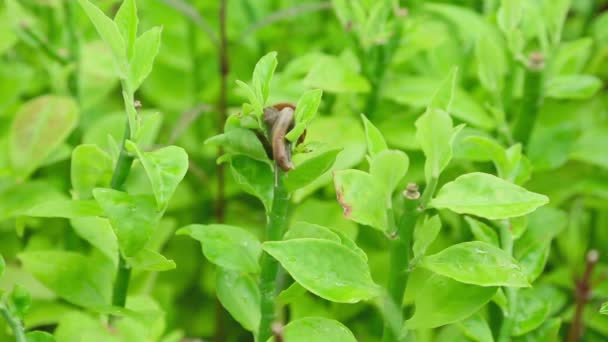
(146, 48)
(477, 263)
(306, 110)
(309, 169)
(133, 218)
(126, 20)
(262, 74)
(107, 29)
(476, 328)
(98, 232)
(91, 167)
(572, 87)
(227, 246)
(362, 198)
(254, 177)
(442, 301)
(64, 208)
(72, 276)
(375, 140)
(482, 231)
(487, 196)
(240, 141)
(316, 329)
(149, 260)
(435, 133)
(239, 294)
(40, 126)
(325, 268)
(166, 167)
(389, 167)
(425, 234)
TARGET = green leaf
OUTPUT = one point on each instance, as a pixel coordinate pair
(604, 308)
(443, 301)
(325, 268)
(362, 198)
(591, 147)
(510, 14)
(133, 218)
(389, 167)
(19, 300)
(126, 21)
(64, 209)
(306, 110)
(146, 48)
(425, 234)
(435, 134)
(300, 230)
(240, 141)
(310, 169)
(21, 197)
(572, 87)
(444, 96)
(262, 74)
(166, 167)
(532, 310)
(149, 260)
(40, 126)
(2, 265)
(491, 64)
(333, 75)
(240, 295)
(98, 232)
(230, 247)
(39, 336)
(72, 276)
(316, 329)
(375, 140)
(107, 29)
(419, 91)
(477, 263)
(476, 328)
(487, 196)
(482, 231)
(254, 177)
(91, 167)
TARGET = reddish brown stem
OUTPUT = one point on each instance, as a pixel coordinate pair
(582, 295)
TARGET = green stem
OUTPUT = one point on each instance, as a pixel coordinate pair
(14, 323)
(121, 172)
(74, 48)
(400, 255)
(533, 84)
(506, 239)
(44, 46)
(428, 192)
(277, 221)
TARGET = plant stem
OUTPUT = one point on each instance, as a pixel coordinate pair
(428, 192)
(14, 323)
(43, 45)
(224, 69)
(506, 239)
(121, 172)
(400, 254)
(74, 48)
(277, 221)
(582, 294)
(531, 100)
(381, 56)
(287, 13)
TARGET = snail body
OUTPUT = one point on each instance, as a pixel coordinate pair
(279, 120)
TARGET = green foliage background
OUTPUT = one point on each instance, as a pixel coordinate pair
(59, 89)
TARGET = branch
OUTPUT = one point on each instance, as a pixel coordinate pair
(582, 294)
(191, 13)
(185, 120)
(287, 13)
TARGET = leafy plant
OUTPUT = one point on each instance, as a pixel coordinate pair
(410, 171)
